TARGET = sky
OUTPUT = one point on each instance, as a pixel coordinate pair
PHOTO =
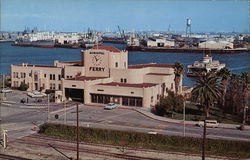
(130, 15)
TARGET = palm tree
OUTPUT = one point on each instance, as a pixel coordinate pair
(245, 78)
(235, 100)
(206, 92)
(225, 74)
(178, 72)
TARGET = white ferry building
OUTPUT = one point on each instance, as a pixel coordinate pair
(100, 77)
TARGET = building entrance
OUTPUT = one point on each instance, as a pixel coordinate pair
(75, 94)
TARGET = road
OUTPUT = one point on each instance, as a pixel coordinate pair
(20, 120)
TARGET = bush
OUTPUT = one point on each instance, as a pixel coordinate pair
(169, 104)
(144, 140)
(23, 86)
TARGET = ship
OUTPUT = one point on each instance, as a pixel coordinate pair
(201, 68)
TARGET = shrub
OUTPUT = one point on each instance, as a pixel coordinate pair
(144, 140)
(169, 104)
(23, 86)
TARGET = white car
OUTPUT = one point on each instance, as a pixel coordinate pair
(110, 106)
(36, 94)
(5, 90)
(209, 123)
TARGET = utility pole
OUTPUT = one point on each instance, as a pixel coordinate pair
(5, 139)
(65, 121)
(204, 139)
(184, 117)
(48, 110)
(77, 133)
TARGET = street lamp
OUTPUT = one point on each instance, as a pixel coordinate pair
(184, 117)
(65, 116)
(77, 132)
(48, 116)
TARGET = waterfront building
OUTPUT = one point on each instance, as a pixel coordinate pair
(101, 76)
(216, 45)
(67, 38)
(160, 42)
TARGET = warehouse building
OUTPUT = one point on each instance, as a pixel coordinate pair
(216, 45)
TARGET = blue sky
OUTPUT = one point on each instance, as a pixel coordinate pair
(78, 15)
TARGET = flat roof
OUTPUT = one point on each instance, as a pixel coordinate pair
(73, 62)
(108, 48)
(84, 78)
(31, 65)
(151, 65)
(133, 85)
(158, 74)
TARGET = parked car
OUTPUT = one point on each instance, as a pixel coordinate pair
(209, 123)
(5, 90)
(110, 106)
(36, 94)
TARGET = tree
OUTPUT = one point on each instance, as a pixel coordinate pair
(23, 86)
(169, 104)
(178, 72)
(233, 100)
(225, 74)
(245, 77)
(206, 92)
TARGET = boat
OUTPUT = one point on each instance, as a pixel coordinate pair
(201, 68)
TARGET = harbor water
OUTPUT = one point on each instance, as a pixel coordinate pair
(237, 63)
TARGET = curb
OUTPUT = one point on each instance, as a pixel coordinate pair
(161, 120)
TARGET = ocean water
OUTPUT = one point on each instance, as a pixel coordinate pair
(238, 63)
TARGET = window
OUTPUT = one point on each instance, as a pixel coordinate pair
(50, 76)
(152, 98)
(116, 64)
(15, 84)
(24, 75)
(121, 80)
(36, 77)
(44, 75)
(101, 90)
(131, 101)
(50, 86)
(54, 77)
(138, 102)
(30, 74)
(125, 101)
(125, 80)
(59, 77)
(54, 86)
(59, 86)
